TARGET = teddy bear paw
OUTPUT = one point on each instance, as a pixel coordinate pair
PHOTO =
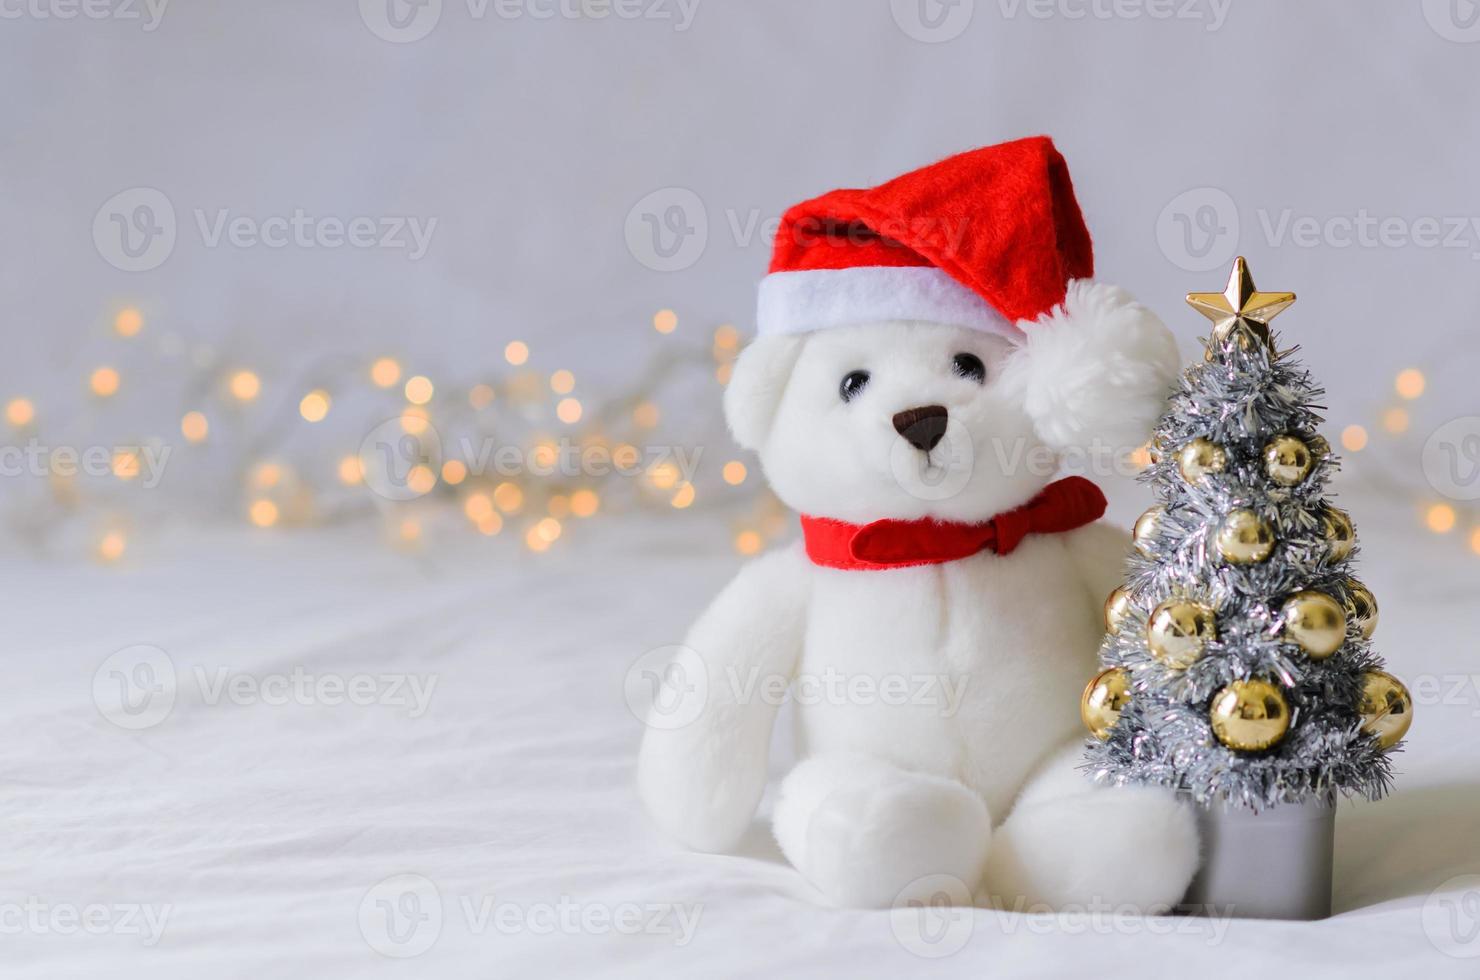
(869, 835)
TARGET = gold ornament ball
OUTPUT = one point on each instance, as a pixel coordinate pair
(1106, 695)
(1320, 448)
(1146, 528)
(1315, 622)
(1179, 630)
(1117, 608)
(1199, 458)
(1361, 608)
(1245, 538)
(1386, 708)
(1249, 715)
(1339, 532)
(1287, 460)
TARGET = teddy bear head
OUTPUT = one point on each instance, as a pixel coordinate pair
(933, 346)
(908, 419)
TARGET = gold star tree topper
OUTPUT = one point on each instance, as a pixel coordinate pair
(1240, 312)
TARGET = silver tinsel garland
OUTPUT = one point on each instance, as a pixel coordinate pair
(1240, 399)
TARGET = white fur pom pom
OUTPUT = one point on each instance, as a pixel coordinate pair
(1096, 369)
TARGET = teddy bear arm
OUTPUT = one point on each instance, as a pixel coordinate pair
(702, 781)
(1100, 551)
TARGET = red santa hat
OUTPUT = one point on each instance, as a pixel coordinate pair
(992, 239)
(983, 239)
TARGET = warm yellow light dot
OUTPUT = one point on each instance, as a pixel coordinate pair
(516, 352)
(734, 472)
(490, 524)
(584, 503)
(1141, 457)
(315, 405)
(544, 455)
(1354, 438)
(351, 470)
(683, 497)
(726, 339)
(480, 396)
(1395, 420)
(414, 420)
(104, 382)
(723, 373)
(663, 476)
(194, 426)
(568, 411)
(128, 322)
(245, 385)
(477, 506)
(112, 545)
(548, 529)
(1440, 518)
(419, 390)
(645, 415)
(748, 543)
(421, 479)
(508, 497)
(558, 506)
(1410, 383)
(267, 476)
(534, 542)
(263, 513)
(454, 471)
(410, 530)
(385, 372)
(665, 321)
(20, 412)
(562, 382)
(1475, 540)
(125, 464)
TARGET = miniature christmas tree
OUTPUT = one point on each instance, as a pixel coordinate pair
(1238, 665)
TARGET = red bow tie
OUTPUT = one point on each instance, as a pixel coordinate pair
(1063, 505)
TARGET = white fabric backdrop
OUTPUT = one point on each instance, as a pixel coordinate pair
(531, 140)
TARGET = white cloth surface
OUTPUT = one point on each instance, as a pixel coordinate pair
(263, 827)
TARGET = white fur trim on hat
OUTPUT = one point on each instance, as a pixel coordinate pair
(814, 299)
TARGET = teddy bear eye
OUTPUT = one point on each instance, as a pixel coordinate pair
(852, 384)
(970, 366)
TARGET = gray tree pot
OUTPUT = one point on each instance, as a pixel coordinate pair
(1270, 865)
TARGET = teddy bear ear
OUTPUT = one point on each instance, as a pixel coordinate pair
(756, 385)
(1095, 370)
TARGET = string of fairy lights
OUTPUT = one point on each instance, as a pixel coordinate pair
(517, 404)
(282, 475)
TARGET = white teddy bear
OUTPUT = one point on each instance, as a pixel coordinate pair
(922, 348)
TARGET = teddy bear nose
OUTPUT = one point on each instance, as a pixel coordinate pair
(922, 427)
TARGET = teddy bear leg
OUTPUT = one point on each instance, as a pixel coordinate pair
(865, 832)
(1068, 841)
